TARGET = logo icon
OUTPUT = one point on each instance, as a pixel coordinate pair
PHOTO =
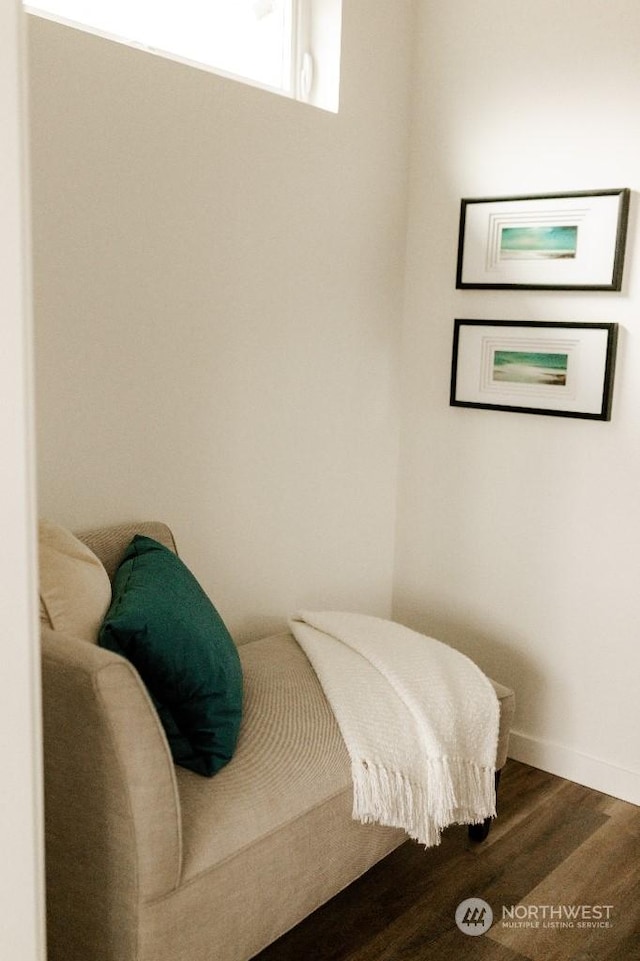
(474, 916)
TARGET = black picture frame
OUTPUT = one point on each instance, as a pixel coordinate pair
(559, 241)
(534, 367)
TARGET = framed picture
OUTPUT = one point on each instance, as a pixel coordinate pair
(534, 368)
(555, 242)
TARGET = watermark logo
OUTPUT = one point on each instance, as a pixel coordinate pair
(474, 916)
(558, 916)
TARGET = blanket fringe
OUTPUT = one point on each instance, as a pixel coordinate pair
(452, 791)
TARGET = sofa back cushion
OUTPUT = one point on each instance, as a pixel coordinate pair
(75, 591)
(109, 543)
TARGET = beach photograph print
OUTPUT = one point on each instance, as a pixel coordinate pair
(538, 243)
(573, 241)
(530, 367)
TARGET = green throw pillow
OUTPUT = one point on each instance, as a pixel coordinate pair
(162, 621)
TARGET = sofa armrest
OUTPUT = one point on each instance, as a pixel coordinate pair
(507, 702)
(112, 813)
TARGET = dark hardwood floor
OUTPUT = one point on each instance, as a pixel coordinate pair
(555, 845)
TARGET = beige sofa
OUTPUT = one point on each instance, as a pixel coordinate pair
(150, 862)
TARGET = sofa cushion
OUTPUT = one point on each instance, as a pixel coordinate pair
(75, 591)
(162, 621)
(290, 760)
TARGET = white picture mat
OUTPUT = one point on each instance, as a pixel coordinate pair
(586, 349)
(596, 218)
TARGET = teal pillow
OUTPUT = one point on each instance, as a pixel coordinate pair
(162, 621)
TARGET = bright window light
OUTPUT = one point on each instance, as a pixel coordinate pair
(289, 46)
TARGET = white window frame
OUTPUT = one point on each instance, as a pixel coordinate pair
(314, 55)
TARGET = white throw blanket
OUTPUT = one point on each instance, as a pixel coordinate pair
(419, 719)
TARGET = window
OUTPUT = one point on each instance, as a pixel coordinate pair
(289, 46)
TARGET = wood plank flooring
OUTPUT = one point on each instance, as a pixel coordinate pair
(554, 844)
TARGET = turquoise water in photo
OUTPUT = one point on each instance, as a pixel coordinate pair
(537, 243)
(555, 361)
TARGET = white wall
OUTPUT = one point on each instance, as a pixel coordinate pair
(21, 874)
(218, 291)
(518, 535)
(218, 287)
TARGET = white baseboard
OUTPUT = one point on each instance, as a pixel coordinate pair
(591, 771)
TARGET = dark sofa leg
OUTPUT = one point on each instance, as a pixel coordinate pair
(479, 832)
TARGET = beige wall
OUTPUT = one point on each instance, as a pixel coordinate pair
(518, 535)
(21, 874)
(218, 291)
